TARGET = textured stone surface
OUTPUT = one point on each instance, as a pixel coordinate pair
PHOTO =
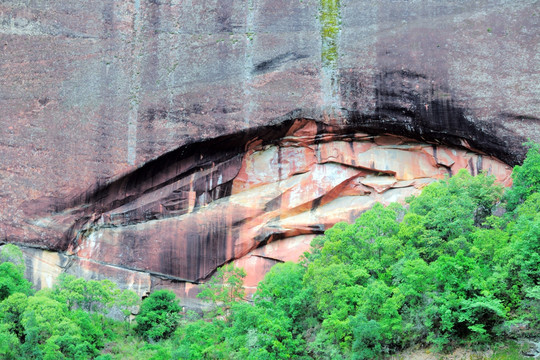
(43, 267)
(256, 200)
(91, 91)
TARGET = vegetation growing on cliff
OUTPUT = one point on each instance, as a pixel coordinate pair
(442, 272)
(330, 19)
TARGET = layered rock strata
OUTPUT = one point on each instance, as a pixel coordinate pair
(133, 97)
(256, 200)
(92, 92)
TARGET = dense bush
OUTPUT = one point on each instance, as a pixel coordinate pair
(12, 272)
(159, 315)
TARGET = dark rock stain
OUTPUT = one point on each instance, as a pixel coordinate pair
(206, 249)
(351, 145)
(276, 62)
(409, 104)
(107, 15)
(273, 204)
(150, 115)
(471, 167)
(479, 164)
(43, 101)
(224, 10)
(316, 203)
(181, 163)
(154, 17)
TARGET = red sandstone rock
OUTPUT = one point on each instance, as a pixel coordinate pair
(90, 94)
(258, 206)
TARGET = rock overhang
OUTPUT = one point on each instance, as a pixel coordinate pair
(187, 212)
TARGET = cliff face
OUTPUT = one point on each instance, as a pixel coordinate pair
(163, 138)
(257, 197)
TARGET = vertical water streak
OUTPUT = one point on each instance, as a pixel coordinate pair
(248, 61)
(135, 85)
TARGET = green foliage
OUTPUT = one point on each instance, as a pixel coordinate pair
(52, 324)
(12, 269)
(158, 316)
(443, 272)
(330, 19)
(283, 289)
(200, 340)
(367, 338)
(526, 178)
(448, 210)
(46, 329)
(12, 281)
(31, 348)
(9, 343)
(225, 287)
(349, 271)
(11, 253)
(126, 301)
(89, 295)
(259, 332)
(11, 311)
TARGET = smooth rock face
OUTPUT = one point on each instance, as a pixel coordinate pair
(201, 206)
(90, 92)
(43, 267)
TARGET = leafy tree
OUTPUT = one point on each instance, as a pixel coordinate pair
(12, 269)
(89, 295)
(50, 316)
(526, 178)
(9, 343)
(447, 211)
(367, 338)
(445, 271)
(526, 241)
(11, 253)
(11, 311)
(201, 340)
(283, 288)
(158, 316)
(126, 301)
(258, 332)
(31, 348)
(225, 287)
(349, 259)
(12, 280)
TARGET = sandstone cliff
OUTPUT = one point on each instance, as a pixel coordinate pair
(151, 141)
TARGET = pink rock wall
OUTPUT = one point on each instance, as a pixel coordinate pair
(103, 104)
(259, 206)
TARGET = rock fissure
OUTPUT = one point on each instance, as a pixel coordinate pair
(269, 258)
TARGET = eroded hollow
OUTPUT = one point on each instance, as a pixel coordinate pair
(254, 197)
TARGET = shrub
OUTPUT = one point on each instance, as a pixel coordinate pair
(159, 316)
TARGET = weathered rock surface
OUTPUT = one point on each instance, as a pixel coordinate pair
(257, 200)
(90, 92)
(43, 267)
